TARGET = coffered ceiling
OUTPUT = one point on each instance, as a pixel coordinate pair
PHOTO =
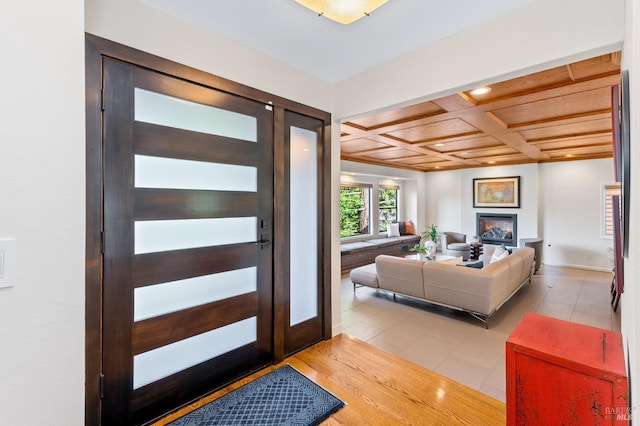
(556, 115)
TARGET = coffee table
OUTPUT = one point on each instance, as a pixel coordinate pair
(438, 258)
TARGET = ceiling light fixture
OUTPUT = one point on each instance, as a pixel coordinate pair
(342, 11)
(439, 144)
(480, 91)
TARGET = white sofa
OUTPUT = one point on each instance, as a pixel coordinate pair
(480, 292)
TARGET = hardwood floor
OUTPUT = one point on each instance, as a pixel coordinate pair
(380, 388)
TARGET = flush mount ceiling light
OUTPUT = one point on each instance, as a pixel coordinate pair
(343, 11)
(480, 91)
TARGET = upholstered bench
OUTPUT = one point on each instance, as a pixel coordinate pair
(355, 254)
(364, 275)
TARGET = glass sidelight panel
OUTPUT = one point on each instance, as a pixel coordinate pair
(163, 235)
(156, 108)
(303, 222)
(172, 173)
(167, 360)
(154, 300)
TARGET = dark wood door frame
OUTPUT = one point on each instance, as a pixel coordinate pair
(96, 50)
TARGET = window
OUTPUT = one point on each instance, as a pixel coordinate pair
(608, 191)
(355, 209)
(387, 205)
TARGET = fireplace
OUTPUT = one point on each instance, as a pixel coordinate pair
(496, 228)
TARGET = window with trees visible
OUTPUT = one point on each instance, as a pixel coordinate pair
(387, 206)
(608, 191)
(355, 209)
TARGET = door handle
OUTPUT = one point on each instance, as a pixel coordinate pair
(263, 242)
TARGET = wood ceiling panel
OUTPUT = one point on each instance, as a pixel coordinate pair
(362, 144)
(488, 153)
(392, 154)
(568, 143)
(510, 159)
(580, 128)
(437, 130)
(577, 153)
(527, 84)
(594, 66)
(549, 109)
(536, 118)
(463, 144)
(422, 159)
(409, 113)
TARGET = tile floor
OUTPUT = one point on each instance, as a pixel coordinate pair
(458, 346)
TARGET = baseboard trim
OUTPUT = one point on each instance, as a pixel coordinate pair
(586, 267)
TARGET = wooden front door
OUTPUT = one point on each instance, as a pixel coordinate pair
(188, 217)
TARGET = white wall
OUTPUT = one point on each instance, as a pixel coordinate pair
(42, 207)
(443, 201)
(571, 211)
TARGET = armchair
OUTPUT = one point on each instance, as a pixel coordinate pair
(455, 244)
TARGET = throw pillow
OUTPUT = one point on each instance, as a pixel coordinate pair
(499, 254)
(402, 226)
(478, 265)
(409, 227)
(393, 230)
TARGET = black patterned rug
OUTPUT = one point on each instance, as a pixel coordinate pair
(281, 397)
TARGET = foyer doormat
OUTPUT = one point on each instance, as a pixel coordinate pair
(282, 397)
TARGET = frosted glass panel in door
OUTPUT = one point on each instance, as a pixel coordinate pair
(156, 108)
(173, 173)
(163, 235)
(154, 300)
(304, 225)
(166, 360)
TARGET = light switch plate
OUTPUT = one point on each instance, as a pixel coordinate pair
(7, 263)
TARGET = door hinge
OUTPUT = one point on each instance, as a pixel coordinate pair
(102, 100)
(102, 242)
(101, 386)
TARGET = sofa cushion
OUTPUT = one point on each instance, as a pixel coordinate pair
(356, 247)
(400, 275)
(478, 290)
(459, 246)
(365, 275)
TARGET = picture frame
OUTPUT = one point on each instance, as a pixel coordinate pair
(498, 192)
(625, 148)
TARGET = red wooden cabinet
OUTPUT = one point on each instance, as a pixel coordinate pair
(563, 373)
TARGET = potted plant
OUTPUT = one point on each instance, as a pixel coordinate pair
(432, 236)
(420, 250)
(433, 233)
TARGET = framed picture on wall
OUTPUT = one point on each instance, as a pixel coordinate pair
(625, 159)
(496, 192)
